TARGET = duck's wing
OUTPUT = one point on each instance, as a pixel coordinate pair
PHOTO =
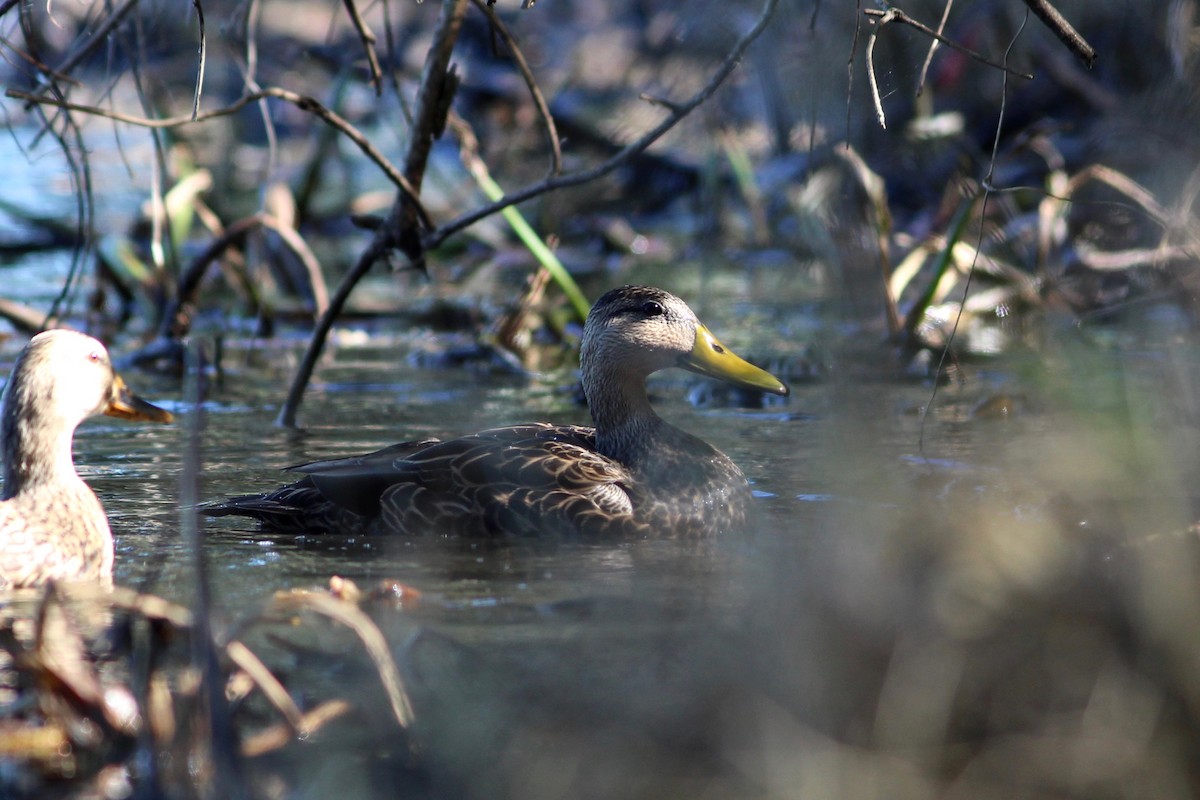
(523, 480)
(519, 480)
(356, 481)
(377, 460)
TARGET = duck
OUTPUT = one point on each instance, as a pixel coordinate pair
(52, 525)
(631, 475)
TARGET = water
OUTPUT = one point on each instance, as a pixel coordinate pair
(903, 570)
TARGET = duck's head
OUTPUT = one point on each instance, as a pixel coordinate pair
(64, 377)
(634, 331)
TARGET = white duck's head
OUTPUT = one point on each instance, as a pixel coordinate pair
(61, 378)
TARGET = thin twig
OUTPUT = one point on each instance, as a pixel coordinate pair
(295, 242)
(1123, 184)
(535, 91)
(1055, 21)
(678, 112)
(97, 37)
(1123, 260)
(203, 53)
(896, 15)
(303, 102)
(26, 319)
(883, 20)
(249, 663)
(933, 47)
(250, 79)
(81, 174)
(368, 41)
(985, 197)
(375, 251)
(227, 778)
(850, 66)
(136, 43)
(253, 14)
(368, 632)
(278, 736)
(36, 63)
(173, 326)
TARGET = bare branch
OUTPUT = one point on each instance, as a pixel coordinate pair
(36, 63)
(251, 665)
(354, 618)
(203, 59)
(81, 173)
(439, 83)
(97, 37)
(26, 319)
(850, 66)
(279, 735)
(883, 20)
(295, 242)
(535, 91)
(368, 41)
(173, 326)
(933, 47)
(1055, 21)
(896, 15)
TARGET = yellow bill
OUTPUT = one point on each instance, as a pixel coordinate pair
(710, 357)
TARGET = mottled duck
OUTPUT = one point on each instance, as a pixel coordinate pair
(632, 475)
(52, 525)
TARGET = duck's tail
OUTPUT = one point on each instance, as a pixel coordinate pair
(295, 508)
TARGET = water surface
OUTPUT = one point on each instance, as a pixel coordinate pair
(890, 546)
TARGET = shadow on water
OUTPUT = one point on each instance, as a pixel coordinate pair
(1013, 606)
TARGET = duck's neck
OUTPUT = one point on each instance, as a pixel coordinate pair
(626, 425)
(36, 452)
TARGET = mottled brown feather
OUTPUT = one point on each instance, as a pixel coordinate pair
(633, 475)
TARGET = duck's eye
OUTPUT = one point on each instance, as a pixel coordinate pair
(653, 308)
(95, 357)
